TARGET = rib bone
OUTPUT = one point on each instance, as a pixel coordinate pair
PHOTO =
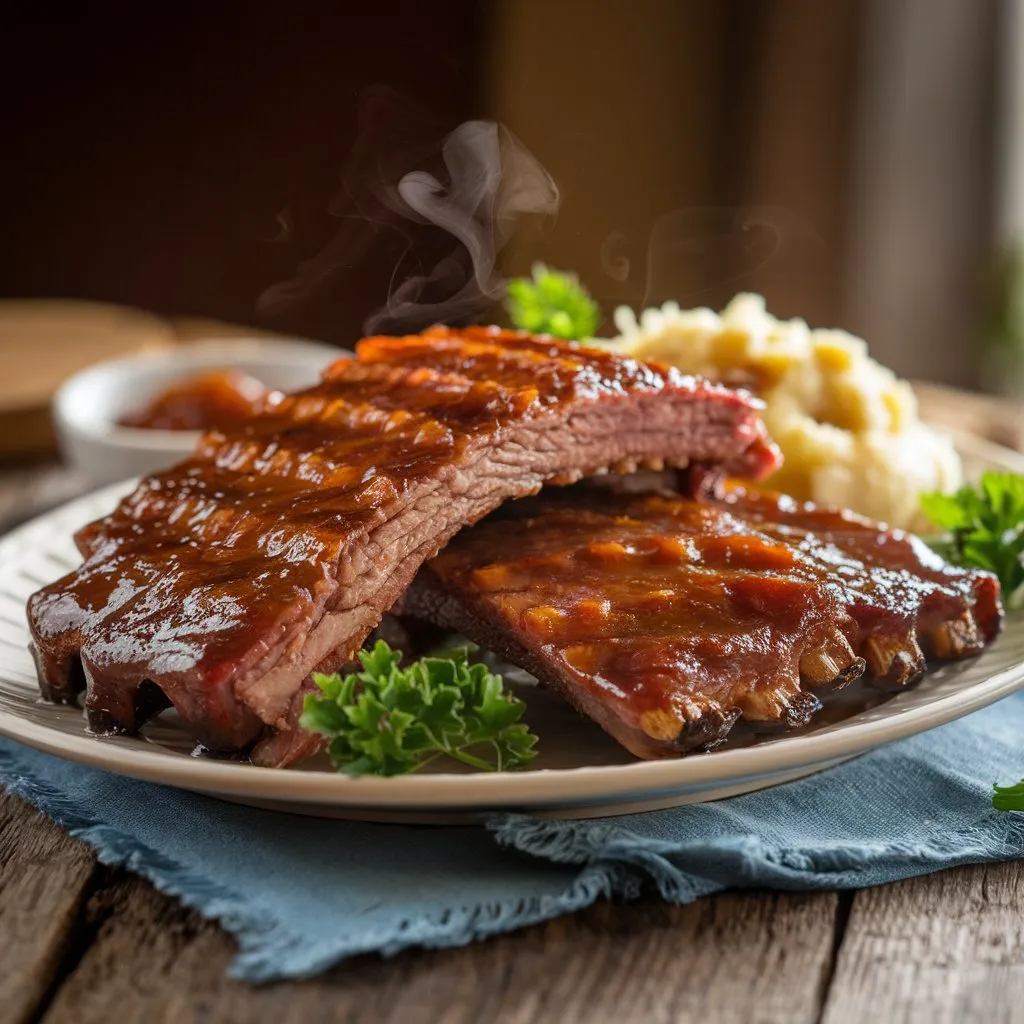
(833, 665)
(710, 610)
(955, 638)
(893, 661)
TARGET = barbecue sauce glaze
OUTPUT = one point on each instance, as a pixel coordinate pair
(667, 619)
(274, 550)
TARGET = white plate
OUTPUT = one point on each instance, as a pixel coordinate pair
(581, 771)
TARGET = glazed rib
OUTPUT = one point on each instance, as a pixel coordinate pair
(222, 583)
(666, 619)
(907, 602)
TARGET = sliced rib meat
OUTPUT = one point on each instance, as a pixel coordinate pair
(224, 582)
(666, 619)
(908, 603)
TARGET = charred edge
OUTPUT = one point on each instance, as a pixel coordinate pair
(778, 712)
(852, 672)
(800, 709)
(708, 732)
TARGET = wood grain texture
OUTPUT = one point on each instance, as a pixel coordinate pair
(739, 958)
(44, 880)
(45, 341)
(940, 949)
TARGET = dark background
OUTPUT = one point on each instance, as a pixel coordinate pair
(839, 156)
(148, 156)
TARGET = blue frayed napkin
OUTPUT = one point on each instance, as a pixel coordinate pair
(301, 894)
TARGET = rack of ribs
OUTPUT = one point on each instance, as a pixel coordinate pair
(220, 585)
(666, 619)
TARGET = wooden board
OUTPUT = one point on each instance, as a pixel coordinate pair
(45, 341)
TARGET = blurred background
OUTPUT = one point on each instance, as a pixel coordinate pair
(860, 162)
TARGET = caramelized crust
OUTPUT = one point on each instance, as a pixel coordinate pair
(224, 582)
(666, 619)
(909, 603)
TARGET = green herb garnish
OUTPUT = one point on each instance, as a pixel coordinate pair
(1008, 798)
(386, 720)
(552, 302)
(986, 528)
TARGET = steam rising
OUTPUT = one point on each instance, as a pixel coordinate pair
(615, 266)
(727, 245)
(707, 253)
(401, 189)
(490, 180)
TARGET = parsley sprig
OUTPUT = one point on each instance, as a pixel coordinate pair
(986, 528)
(388, 720)
(1008, 798)
(552, 302)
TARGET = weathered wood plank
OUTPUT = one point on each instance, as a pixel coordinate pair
(943, 948)
(736, 958)
(44, 881)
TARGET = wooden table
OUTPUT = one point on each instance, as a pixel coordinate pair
(83, 943)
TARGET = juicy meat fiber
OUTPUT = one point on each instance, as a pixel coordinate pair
(667, 619)
(222, 583)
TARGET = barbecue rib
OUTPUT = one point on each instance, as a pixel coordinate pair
(667, 619)
(221, 584)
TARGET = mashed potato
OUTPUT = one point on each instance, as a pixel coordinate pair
(848, 427)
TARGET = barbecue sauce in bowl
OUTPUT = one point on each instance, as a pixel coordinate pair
(216, 399)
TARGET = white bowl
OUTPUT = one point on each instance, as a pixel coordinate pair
(88, 405)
